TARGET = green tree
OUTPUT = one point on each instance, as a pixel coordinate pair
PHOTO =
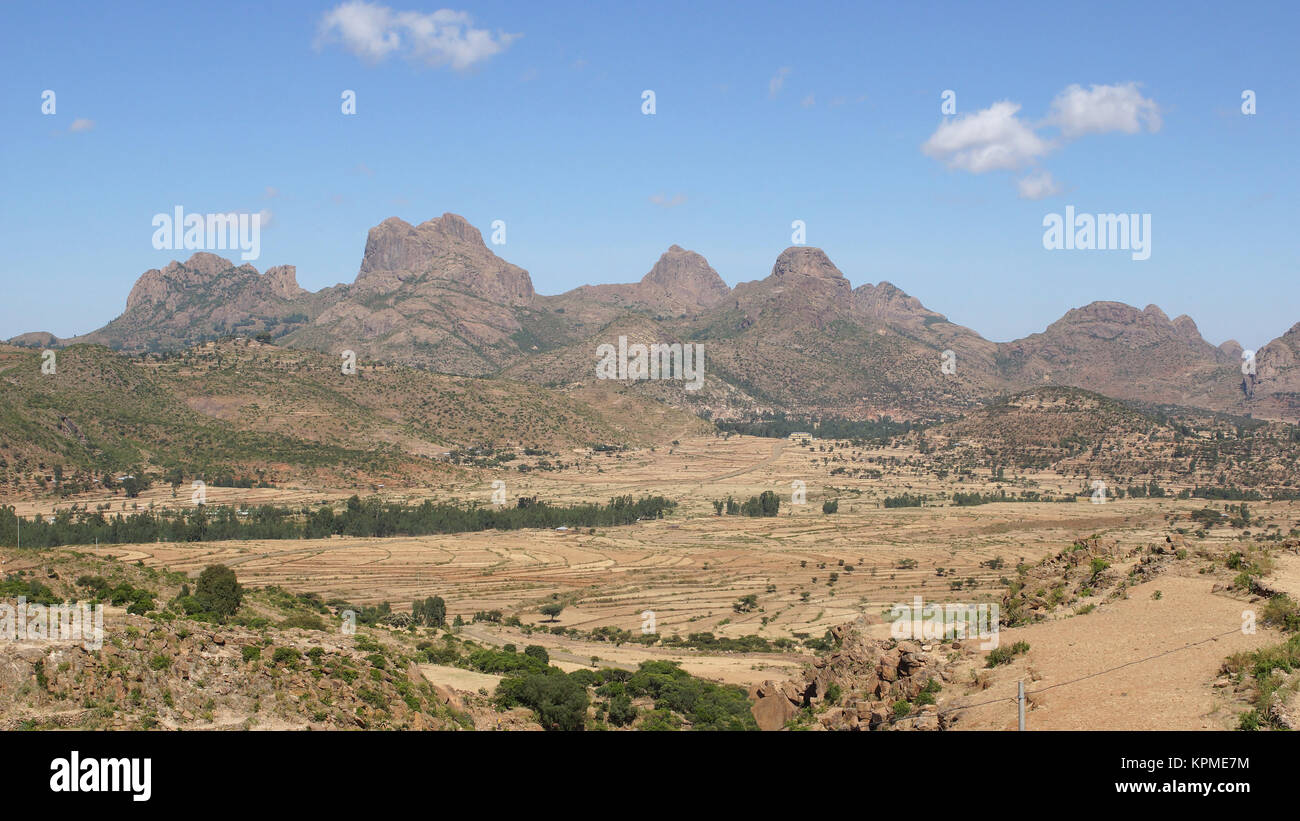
(560, 702)
(218, 591)
(538, 652)
(621, 710)
(431, 612)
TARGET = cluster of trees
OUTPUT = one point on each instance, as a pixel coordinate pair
(1151, 489)
(1227, 494)
(34, 591)
(560, 701)
(138, 600)
(960, 499)
(906, 500)
(780, 426)
(432, 612)
(737, 644)
(765, 504)
(369, 517)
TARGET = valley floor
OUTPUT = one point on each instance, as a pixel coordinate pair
(807, 570)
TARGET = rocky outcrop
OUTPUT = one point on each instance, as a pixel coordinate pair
(156, 676)
(448, 250)
(681, 283)
(864, 684)
(1119, 351)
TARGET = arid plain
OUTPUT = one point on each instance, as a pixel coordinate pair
(808, 570)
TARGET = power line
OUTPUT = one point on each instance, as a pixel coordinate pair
(1066, 683)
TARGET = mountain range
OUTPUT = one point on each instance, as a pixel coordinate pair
(801, 340)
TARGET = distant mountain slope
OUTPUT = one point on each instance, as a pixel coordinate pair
(1120, 351)
(431, 295)
(1081, 433)
(801, 340)
(681, 283)
(241, 406)
(204, 298)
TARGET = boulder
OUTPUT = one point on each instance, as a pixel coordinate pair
(772, 712)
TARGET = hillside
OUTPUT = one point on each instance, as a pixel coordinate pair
(1076, 432)
(243, 408)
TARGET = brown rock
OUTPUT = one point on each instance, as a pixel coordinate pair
(772, 712)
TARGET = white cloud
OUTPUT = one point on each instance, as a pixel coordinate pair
(272, 192)
(81, 124)
(990, 140)
(1103, 108)
(444, 37)
(1038, 185)
(808, 102)
(665, 201)
(777, 82)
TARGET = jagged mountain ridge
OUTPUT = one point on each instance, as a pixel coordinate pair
(800, 340)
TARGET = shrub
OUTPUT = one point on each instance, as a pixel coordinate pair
(559, 702)
(1284, 612)
(538, 652)
(660, 721)
(621, 710)
(304, 621)
(218, 591)
(1004, 655)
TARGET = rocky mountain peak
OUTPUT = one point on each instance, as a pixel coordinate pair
(687, 276)
(1186, 327)
(175, 279)
(805, 261)
(445, 248)
(283, 281)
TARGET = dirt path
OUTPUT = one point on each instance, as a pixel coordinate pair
(777, 447)
(1136, 664)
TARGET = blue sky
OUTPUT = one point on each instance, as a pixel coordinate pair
(765, 113)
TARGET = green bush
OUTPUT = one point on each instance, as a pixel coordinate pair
(1004, 655)
(660, 720)
(218, 591)
(538, 652)
(304, 621)
(621, 711)
(559, 702)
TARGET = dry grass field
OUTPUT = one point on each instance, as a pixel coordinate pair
(808, 570)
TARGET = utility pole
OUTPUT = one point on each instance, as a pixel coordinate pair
(1020, 703)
